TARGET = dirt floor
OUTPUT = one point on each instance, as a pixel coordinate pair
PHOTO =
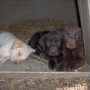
(45, 81)
(39, 81)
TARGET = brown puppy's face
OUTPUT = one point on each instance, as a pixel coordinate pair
(72, 37)
(53, 43)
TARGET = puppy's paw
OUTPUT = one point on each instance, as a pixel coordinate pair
(29, 50)
(16, 61)
(66, 67)
(52, 65)
(42, 55)
(2, 61)
(70, 67)
(33, 50)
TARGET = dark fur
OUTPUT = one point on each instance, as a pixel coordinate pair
(74, 57)
(34, 41)
(53, 48)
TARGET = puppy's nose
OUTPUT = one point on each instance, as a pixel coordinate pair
(71, 43)
(53, 49)
(15, 61)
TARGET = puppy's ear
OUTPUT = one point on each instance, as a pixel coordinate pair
(34, 40)
(42, 42)
(17, 44)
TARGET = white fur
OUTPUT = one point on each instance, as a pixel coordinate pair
(8, 51)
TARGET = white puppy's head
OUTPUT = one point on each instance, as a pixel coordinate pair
(20, 51)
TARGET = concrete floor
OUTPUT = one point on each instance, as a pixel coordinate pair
(31, 64)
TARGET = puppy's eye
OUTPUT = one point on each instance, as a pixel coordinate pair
(66, 35)
(76, 34)
(58, 40)
(48, 43)
(19, 54)
(58, 43)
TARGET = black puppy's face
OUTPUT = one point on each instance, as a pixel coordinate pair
(72, 37)
(53, 43)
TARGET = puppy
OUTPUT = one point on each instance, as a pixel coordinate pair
(74, 56)
(12, 48)
(52, 45)
(34, 41)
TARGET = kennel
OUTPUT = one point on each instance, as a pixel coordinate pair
(23, 18)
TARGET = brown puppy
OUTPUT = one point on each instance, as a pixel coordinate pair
(74, 57)
(52, 48)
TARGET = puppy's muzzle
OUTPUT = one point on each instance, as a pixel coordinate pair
(53, 51)
(71, 44)
(16, 61)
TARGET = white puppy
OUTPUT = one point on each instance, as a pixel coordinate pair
(12, 48)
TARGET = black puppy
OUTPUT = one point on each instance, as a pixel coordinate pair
(52, 48)
(34, 41)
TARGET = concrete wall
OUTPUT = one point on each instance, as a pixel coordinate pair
(84, 7)
(12, 10)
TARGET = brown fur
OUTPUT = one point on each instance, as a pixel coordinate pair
(74, 57)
